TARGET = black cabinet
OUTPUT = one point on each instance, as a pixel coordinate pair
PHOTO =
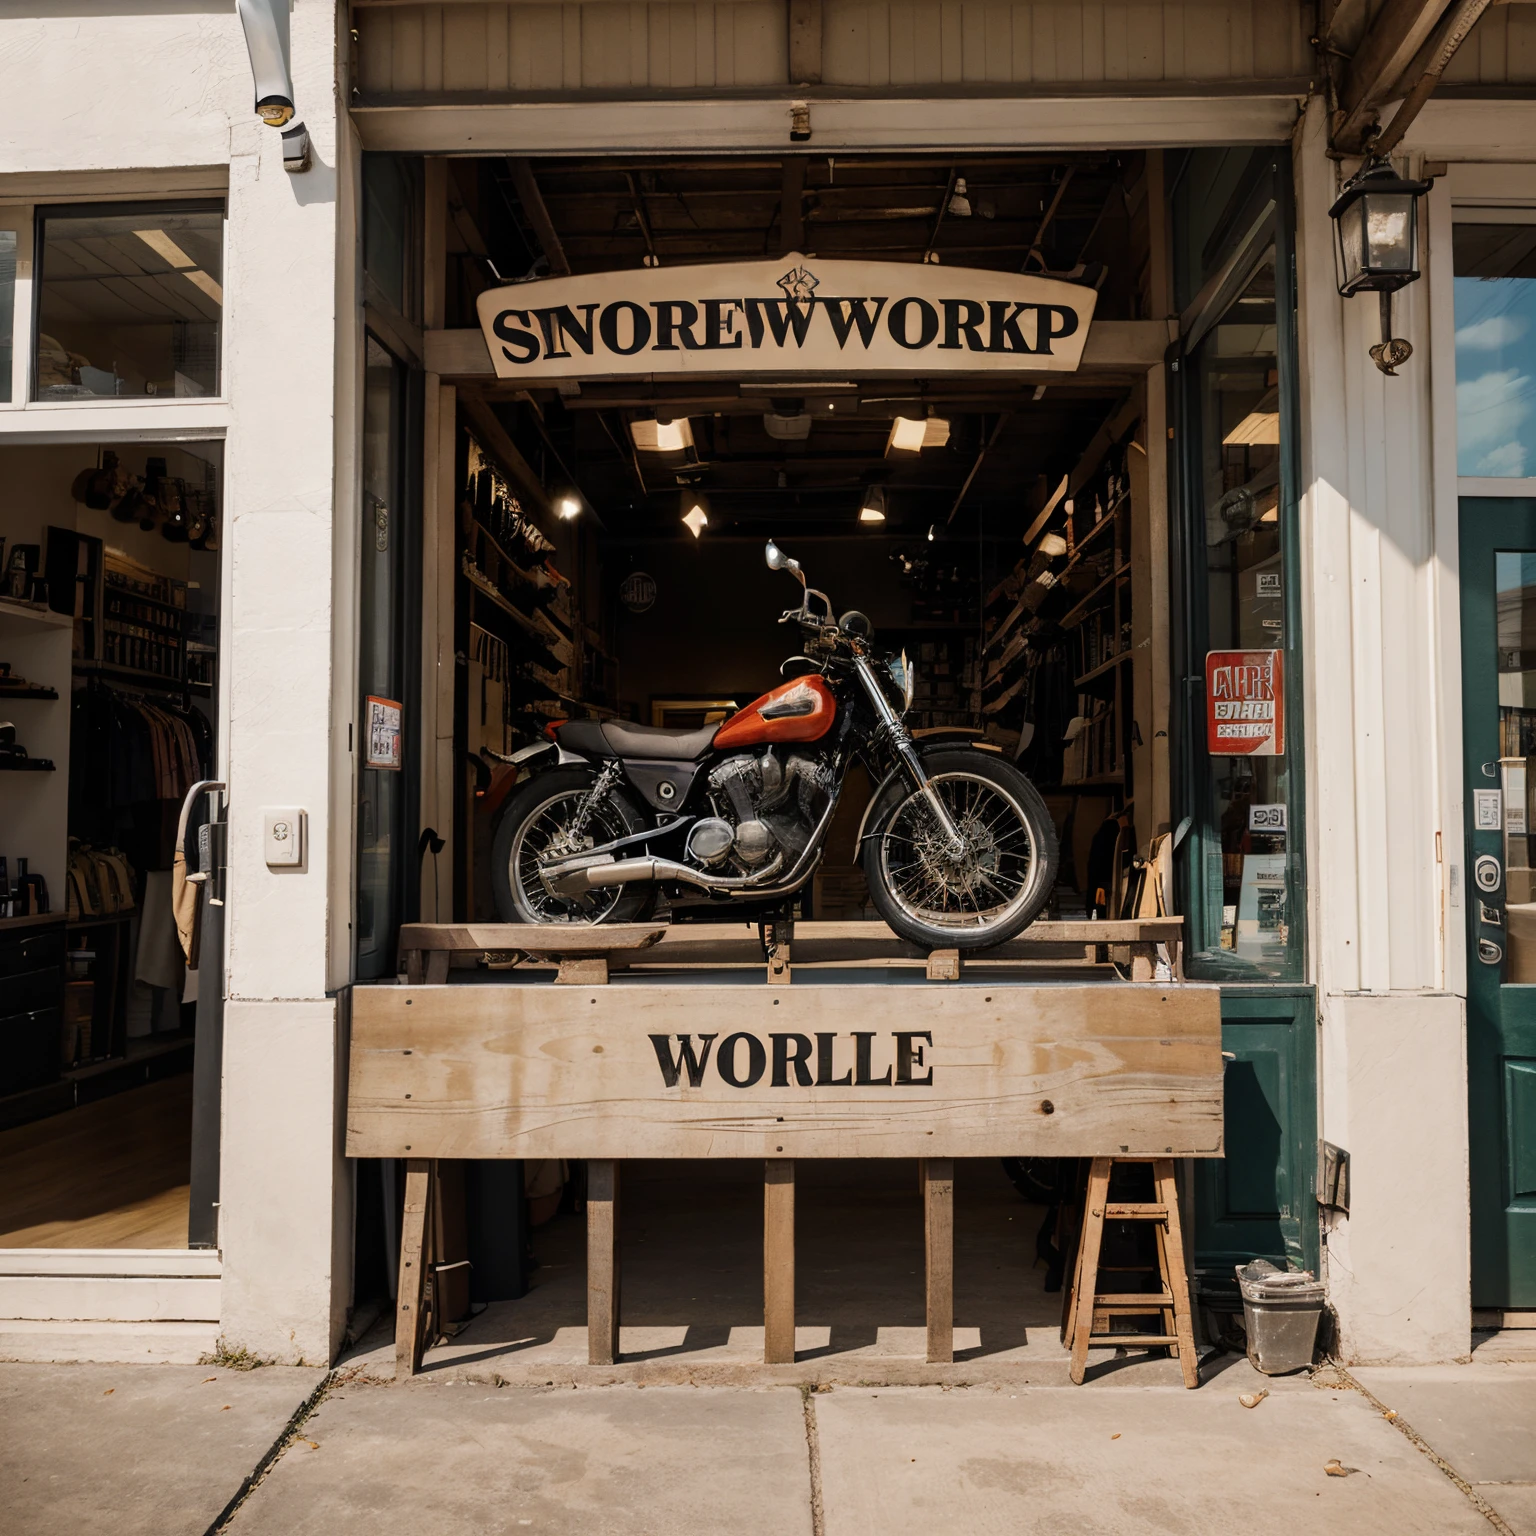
(31, 1001)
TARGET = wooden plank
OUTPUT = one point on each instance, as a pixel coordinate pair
(805, 29)
(524, 1070)
(1088, 1266)
(939, 1256)
(583, 971)
(603, 1267)
(411, 1291)
(778, 1261)
(534, 938)
(1177, 1278)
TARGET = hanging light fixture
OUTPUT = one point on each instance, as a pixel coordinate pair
(695, 512)
(1376, 246)
(911, 434)
(655, 436)
(568, 506)
(872, 506)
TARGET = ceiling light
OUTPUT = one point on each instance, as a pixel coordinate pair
(911, 434)
(568, 507)
(872, 507)
(165, 248)
(695, 513)
(652, 436)
(932, 534)
(960, 204)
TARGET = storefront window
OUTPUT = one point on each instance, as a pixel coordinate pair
(7, 307)
(1495, 268)
(130, 301)
(1243, 873)
(385, 773)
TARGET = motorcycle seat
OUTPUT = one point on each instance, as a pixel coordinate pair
(619, 738)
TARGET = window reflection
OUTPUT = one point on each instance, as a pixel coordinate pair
(129, 303)
(1495, 267)
(1246, 916)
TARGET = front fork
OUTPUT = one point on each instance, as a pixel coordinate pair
(897, 734)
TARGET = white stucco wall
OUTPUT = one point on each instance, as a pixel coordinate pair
(1383, 793)
(148, 92)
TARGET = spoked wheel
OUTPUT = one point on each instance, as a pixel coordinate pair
(545, 821)
(980, 892)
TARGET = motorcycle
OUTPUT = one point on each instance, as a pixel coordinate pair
(957, 846)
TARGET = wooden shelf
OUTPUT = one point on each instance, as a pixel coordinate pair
(1098, 781)
(27, 765)
(44, 616)
(1102, 668)
(7, 694)
(1114, 576)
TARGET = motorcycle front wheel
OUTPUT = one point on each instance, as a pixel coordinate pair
(540, 823)
(986, 891)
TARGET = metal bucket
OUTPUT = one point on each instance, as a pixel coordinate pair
(1281, 1313)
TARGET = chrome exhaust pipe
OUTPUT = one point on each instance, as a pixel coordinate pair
(591, 877)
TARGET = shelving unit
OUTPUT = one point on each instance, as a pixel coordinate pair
(34, 806)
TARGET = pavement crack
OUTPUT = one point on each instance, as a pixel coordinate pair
(1398, 1422)
(813, 1454)
(286, 1437)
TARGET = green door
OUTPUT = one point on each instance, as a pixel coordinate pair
(1498, 662)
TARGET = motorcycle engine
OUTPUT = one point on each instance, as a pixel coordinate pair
(771, 805)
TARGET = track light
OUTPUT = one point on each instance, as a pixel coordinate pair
(568, 507)
(872, 507)
(960, 204)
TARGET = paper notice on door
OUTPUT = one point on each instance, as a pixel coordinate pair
(381, 733)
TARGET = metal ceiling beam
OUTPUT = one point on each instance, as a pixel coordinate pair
(532, 199)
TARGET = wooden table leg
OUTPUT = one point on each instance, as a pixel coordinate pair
(778, 1261)
(1088, 1265)
(438, 963)
(603, 1271)
(411, 1293)
(1177, 1275)
(1143, 962)
(939, 1247)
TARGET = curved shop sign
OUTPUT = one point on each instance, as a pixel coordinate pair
(797, 315)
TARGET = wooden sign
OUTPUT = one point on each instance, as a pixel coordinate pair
(664, 1070)
(797, 314)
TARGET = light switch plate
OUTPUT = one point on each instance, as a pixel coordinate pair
(283, 836)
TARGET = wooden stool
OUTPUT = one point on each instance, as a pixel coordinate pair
(1088, 1311)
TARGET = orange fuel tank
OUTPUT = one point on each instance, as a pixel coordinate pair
(802, 709)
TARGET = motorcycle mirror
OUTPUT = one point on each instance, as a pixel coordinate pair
(778, 560)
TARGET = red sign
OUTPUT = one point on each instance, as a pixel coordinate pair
(1245, 703)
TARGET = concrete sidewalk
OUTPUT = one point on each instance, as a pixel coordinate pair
(154, 1449)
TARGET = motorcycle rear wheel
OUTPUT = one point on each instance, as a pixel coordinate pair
(535, 818)
(990, 893)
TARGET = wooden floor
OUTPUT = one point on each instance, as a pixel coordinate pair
(108, 1175)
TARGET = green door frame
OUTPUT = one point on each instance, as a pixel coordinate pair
(1260, 1200)
(1501, 1016)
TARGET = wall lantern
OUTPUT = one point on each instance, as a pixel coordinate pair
(1376, 246)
